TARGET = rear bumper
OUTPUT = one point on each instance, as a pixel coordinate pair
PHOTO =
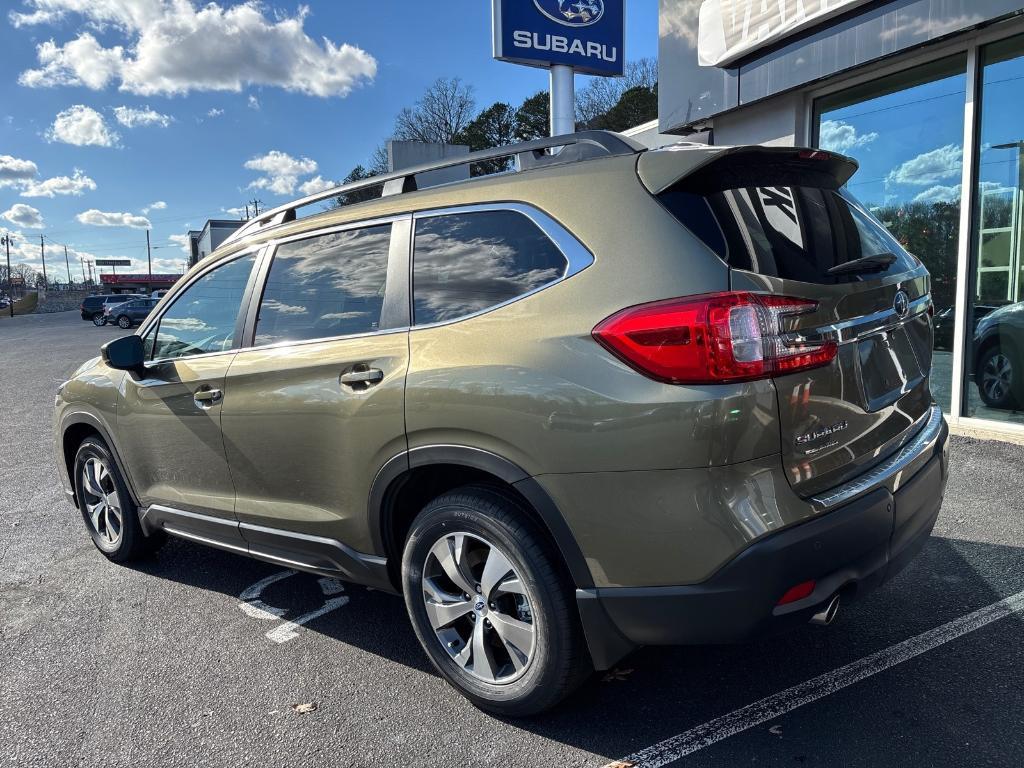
(851, 550)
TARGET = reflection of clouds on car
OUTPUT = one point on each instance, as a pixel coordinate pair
(330, 285)
(469, 262)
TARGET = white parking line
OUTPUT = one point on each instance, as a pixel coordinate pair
(778, 704)
(290, 629)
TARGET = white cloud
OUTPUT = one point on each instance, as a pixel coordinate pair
(316, 184)
(59, 185)
(183, 242)
(215, 112)
(282, 171)
(131, 117)
(837, 136)
(939, 194)
(173, 47)
(159, 205)
(95, 218)
(15, 171)
(930, 168)
(241, 211)
(23, 215)
(82, 126)
(254, 103)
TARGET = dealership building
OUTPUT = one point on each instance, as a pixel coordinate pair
(928, 96)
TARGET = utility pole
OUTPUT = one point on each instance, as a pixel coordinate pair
(81, 263)
(149, 260)
(256, 207)
(246, 211)
(7, 242)
(68, 263)
(42, 253)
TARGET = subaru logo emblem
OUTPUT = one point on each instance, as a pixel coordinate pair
(572, 13)
(901, 304)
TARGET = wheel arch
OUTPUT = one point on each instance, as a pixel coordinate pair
(411, 479)
(75, 428)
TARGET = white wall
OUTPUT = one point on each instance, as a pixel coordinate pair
(776, 122)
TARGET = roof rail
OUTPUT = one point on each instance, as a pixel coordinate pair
(584, 145)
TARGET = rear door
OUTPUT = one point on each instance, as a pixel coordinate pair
(787, 228)
(315, 406)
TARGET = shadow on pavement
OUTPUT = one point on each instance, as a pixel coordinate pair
(659, 692)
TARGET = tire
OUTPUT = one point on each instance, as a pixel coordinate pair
(998, 376)
(533, 604)
(124, 322)
(108, 511)
(99, 320)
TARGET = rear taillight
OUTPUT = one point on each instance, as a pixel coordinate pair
(716, 338)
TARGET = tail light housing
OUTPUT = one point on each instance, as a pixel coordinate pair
(713, 339)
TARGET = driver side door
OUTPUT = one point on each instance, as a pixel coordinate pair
(169, 416)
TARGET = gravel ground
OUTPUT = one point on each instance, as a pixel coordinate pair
(157, 665)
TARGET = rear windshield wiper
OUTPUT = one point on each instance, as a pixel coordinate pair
(876, 263)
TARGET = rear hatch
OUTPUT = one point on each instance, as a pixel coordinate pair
(785, 224)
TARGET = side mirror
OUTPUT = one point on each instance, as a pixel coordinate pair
(124, 354)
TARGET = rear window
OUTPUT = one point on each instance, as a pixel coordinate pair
(789, 232)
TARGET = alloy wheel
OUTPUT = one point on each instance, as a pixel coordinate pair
(101, 501)
(479, 608)
(997, 377)
(124, 322)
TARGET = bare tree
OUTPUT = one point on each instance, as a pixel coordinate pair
(439, 115)
(603, 93)
(379, 161)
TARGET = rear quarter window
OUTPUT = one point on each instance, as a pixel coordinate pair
(464, 263)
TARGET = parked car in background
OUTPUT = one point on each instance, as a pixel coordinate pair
(130, 313)
(617, 398)
(999, 357)
(92, 307)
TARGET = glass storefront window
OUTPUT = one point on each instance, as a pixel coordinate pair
(906, 131)
(994, 354)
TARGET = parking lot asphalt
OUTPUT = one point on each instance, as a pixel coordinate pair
(165, 663)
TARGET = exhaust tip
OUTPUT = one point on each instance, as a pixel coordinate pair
(828, 614)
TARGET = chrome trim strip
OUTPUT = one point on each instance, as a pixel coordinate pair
(920, 444)
(204, 540)
(867, 325)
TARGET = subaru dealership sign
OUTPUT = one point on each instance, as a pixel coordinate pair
(587, 35)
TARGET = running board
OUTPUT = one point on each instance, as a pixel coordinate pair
(303, 552)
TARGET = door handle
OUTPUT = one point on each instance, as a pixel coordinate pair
(367, 376)
(205, 397)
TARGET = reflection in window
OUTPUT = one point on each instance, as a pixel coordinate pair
(906, 131)
(202, 319)
(467, 262)
(994, 359)
(326, 286)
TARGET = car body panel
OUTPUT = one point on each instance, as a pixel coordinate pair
(302, 447)
(175, 447)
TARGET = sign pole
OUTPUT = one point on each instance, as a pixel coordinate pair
(10, 277)
(563, 100)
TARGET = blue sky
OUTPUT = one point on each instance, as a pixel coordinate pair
(110, 108)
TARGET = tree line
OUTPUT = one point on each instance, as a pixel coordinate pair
(447, 114)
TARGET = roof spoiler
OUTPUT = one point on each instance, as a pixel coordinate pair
(706, 170)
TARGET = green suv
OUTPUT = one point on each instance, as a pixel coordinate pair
(603, 398)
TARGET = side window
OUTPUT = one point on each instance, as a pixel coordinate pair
(202, 318)
(331, 285)
(466, 262)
